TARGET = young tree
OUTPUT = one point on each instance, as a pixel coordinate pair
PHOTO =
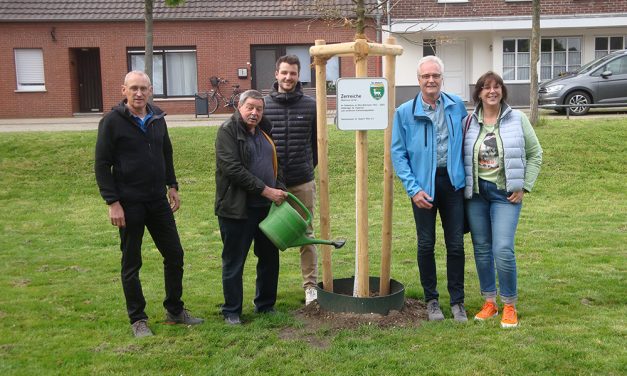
(148, 10)
(535, 56)
(335, 13)
(353, 14)
(148, 5)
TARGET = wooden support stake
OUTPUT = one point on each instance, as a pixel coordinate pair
(360, 49)
(323, 167)
(388, 179)
(361, 183)
(352, 48)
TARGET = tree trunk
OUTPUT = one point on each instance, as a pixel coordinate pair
(360, 26)
(535, 57)
(149, 47)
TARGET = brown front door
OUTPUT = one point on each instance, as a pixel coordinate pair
(89, 84)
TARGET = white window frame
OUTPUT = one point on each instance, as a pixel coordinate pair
(29, 70)
(600, 53)
(302, 52)
(569, 66)
(306, 77)
(516, 57)
(162, 52)
(429, 43)
(451, 1)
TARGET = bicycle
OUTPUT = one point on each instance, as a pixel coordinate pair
(215, 95)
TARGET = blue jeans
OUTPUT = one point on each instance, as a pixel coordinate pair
(493, 221)
(450, 204)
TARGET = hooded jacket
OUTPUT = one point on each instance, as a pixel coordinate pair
(131, 165)
(414, 149)
(233, 179)
(294, 125)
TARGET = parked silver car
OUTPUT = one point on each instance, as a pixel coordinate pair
(602, 81)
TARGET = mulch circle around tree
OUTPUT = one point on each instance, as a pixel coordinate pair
(317, 321)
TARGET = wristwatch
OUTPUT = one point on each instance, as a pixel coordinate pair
(175, 186)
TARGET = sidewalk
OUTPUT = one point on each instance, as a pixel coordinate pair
(90, 122)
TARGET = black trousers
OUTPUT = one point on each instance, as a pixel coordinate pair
(158, 218)
(237, 236)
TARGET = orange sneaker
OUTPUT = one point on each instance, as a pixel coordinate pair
(510, 317)
(489, 310)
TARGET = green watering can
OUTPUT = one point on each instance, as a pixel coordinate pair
(286, 228)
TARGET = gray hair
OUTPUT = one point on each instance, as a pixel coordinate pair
(431, 59)
(136, 72)
(252, 94)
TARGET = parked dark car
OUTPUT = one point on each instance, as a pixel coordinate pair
(602, 81)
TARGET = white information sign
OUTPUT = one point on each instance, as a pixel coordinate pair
(362, 103)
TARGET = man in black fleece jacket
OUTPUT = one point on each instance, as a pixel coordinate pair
(133, 165)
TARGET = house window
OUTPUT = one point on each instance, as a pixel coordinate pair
(605, 45)
(173, 70)
(428, 47)
(303, 56)
(452, 1)
(516, 59)
(558, 56)
(333, 73)
(306, 75)
(29, 69)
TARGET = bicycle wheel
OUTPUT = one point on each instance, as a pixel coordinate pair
(234, 100)
(213, 104)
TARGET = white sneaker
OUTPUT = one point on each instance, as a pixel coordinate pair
(311, 294)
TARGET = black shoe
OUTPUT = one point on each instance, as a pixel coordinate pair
(182, 318)
(232, 319)
(140, 329)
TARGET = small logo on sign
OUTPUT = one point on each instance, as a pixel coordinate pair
(377, 89)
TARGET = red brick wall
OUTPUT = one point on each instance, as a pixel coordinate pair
(417, 9)
(222, 47)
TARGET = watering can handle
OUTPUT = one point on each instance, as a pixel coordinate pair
(302, 206)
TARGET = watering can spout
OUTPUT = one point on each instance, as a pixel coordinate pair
(286, 228)
(339, 243)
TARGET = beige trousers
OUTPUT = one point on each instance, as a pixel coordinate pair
(306, 193)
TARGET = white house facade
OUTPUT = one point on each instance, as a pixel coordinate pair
(478, 36)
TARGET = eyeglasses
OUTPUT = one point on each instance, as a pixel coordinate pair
(435, 76)
(495, 88)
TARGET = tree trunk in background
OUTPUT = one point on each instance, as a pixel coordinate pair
(360, 26)
(535, 57)
(149, 47)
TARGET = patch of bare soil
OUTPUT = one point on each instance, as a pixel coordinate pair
(318, 321)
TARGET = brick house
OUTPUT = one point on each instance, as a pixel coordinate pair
(474, 36)
(66, 57)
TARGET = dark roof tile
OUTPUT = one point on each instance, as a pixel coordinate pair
(118, 10)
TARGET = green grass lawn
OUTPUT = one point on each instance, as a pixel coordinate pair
(62, 309)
